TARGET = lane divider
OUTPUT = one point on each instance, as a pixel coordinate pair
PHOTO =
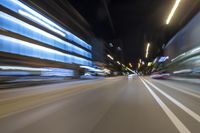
(174, 119)
(180, 105)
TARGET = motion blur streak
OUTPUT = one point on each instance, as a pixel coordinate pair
(22, 68)
(41, 22)
(31, 45)
(44, 37)
(173, 11)
(36, 14)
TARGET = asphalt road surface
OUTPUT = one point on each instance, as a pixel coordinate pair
(111, 105)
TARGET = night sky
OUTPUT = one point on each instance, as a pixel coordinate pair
(135, 22)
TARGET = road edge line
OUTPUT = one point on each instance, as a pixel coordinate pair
(177, 103)
(174, 119)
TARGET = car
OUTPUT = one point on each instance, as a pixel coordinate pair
(88, 76)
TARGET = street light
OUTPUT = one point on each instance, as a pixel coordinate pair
(118, 63)
(109, 56)
(146, 55)
(139, 65)
(130, 65)
(143, 62)
(147, 50)
(173, 11)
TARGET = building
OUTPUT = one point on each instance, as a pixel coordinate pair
(36, 36)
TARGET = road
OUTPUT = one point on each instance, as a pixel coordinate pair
(111, 105)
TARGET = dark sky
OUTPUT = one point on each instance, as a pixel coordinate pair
(135, 22)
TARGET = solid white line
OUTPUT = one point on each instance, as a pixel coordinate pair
(183, 107)
(178, 124)
(181, 90)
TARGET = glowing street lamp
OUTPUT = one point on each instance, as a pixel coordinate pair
(173, 11)
(147, 50)
(139, 65)
(109, 56)
(140, 60)
(130, 65)
(118, 63)
(146, 55)
(143, 63)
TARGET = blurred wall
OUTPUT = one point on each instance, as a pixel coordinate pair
(186, 39)
(184, 50)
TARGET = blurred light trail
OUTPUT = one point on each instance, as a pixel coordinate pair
(138, 65)
(41, 22)
(38, 15)
(172, 11)
(91, 68)
(31, 45)
(109, 56)
(22, 68)
(28, 12)
(178, 57)
(143, 62)
(106, 70)
(149, 64)
(183, 71)
(195, 50)
(163, 58)
(147, 50)
(130, 65)
(118, 63)
(131, 70)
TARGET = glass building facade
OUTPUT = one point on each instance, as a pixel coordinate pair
(54, 44)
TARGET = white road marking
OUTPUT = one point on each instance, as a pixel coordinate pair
(184, 91)
(183, 107)
(178, 124)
